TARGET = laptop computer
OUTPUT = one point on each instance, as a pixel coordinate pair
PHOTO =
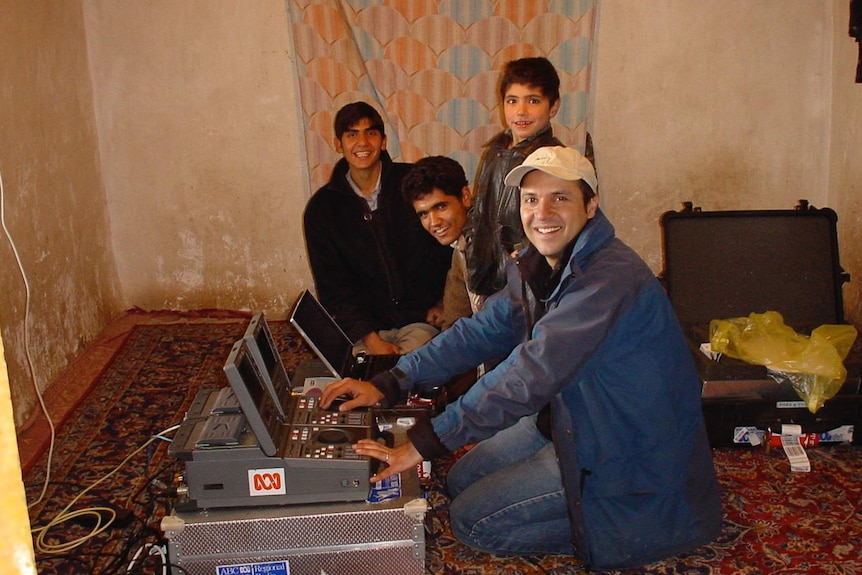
(331, 344)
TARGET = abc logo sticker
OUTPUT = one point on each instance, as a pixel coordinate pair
(266, 482)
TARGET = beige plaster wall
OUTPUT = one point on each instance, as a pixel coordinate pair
(724, 103)
(845, 168)
(200, 149)
(54, 200)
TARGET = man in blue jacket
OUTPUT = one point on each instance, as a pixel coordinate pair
(591, 440)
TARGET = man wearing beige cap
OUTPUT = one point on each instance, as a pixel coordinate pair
(589, 436)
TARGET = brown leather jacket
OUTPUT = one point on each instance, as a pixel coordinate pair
(493, 229)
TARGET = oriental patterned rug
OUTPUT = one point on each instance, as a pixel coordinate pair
(775, 521)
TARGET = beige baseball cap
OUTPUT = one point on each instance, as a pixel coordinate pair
(561, 162)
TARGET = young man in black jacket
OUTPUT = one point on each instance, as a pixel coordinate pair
(375, 269)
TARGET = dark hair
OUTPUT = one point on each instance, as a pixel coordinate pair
(587, 191)
(538, 72)
(352, 114)
(433, 172)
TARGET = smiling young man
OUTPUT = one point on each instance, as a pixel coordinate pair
(619, 473)
(375, 269)
(529, 98)
(437, 189)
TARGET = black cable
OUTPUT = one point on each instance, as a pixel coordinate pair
(119, 557)
(163, 562)
(106, 560)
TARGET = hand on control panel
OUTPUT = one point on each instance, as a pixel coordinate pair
(398, 459)
(361, 394)
(337, 402)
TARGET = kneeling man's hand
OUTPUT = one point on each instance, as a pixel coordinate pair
(363, 394)
(397, 459)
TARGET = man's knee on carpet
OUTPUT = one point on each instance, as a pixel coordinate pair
(536, 526)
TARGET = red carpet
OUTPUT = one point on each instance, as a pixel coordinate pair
(775, 521)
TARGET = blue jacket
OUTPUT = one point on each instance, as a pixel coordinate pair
(606, 350)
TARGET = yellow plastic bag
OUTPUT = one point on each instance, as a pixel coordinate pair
(813, 365)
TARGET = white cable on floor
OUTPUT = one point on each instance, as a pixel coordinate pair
(27, 343)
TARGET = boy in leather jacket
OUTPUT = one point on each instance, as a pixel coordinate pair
(530, 97)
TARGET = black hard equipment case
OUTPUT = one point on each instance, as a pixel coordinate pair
(726, 264)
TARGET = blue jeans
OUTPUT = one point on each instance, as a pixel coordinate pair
(507, 495)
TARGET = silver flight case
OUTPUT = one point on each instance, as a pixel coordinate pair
(352, 538)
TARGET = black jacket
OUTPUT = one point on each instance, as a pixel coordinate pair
(494, 227)
(372, 270)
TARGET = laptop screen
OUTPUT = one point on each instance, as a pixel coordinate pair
(254, 398)
(320, 331)
(262, 346)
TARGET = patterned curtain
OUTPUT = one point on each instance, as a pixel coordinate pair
(431, 68)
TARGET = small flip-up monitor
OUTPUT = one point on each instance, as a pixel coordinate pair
(255, 400)
(322, 333)
(261, 345)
